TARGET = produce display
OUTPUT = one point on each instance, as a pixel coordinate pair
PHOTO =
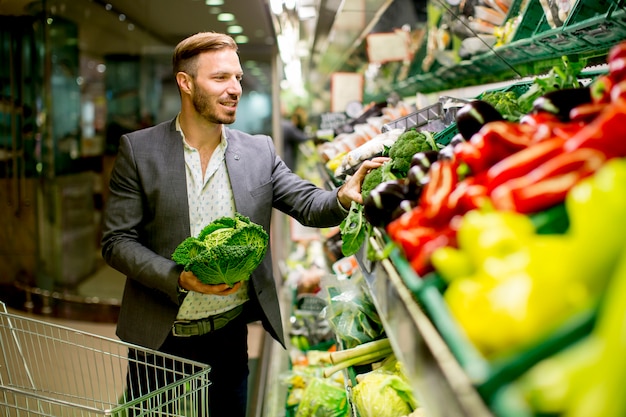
(226, 251)
(377, 192)
(526, 166)
(355, 368)
(514, 221)
(339, 155)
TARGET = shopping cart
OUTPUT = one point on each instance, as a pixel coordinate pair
(51, 370)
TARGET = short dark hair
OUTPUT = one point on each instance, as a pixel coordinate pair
(185, 53)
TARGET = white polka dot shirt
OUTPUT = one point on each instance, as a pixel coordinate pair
(209, 198)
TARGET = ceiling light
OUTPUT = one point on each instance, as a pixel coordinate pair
(307, 12)
(276, 6)
(214, 2)
(234, 29)
(241, 39)
(225, 17)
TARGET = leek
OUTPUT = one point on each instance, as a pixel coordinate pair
(358, 360)
(365, 348)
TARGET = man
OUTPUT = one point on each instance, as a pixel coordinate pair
(172, 179)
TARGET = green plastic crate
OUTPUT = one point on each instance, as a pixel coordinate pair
(588, 9)
(445, 136)
(600, 32)
(618, 15)
(530, 15)
(533, 48)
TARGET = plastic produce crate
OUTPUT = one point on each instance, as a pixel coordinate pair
(588, 9)
(429, 118)
(435, 118)
(529, 14)
(51, 370)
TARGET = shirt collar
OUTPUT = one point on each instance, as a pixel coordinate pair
(223, 141)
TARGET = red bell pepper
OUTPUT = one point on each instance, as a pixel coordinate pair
(547, 125)
(606, 133)
(469, 194)
(617, 51)
(539, 118)
(411, 231)
(509, 136)
(585, 113)
(495, 141)
(618, 92)
(472, 155)
(549, 183)
(436, 193)
(522, 162)
(601, 87)
(420, 262)
(617, 68)
(409, 220)
(412, 240)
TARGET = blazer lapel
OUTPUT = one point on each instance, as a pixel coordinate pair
(237, 174)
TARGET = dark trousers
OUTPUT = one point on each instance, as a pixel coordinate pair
(225, 350)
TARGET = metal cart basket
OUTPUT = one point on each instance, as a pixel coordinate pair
(51, 370)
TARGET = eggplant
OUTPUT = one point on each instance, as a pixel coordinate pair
(473, 116)
(405, 206)
(424, 159)
(380, 206)
(447, 152)
(561, 102)
(456, 139)
(416, 179)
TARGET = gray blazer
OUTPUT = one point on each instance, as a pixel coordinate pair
(147, 216)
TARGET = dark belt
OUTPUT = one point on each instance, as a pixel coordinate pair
(187, 328)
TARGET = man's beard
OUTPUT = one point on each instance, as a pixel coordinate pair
(202, 104)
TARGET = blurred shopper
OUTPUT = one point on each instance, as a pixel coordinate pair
(293, 135)
(171, 180)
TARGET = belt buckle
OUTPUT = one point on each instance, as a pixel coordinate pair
(180, 322)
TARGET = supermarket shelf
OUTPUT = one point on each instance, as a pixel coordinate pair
(588, 39)
(437, 378)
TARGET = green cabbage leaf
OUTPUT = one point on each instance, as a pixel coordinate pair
(226, 251)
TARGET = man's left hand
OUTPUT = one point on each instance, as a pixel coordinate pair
(351, 190)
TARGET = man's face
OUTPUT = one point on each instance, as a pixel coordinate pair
(217, 86)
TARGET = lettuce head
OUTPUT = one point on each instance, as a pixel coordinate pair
(383, 394)
(226, 251)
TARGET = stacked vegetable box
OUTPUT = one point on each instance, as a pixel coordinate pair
(505, 237)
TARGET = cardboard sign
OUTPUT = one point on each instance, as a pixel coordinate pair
(345, 87)
(388, 47)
